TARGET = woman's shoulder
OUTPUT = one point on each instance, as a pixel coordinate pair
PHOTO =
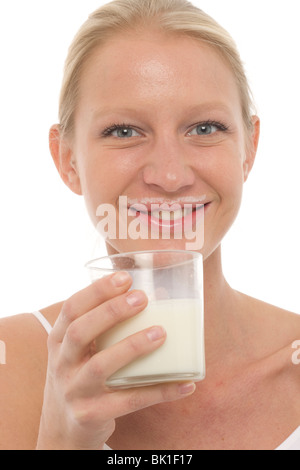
(24, 330)
(276, 333)
(277, 322)
(24, 340)
(23, 365)
(274, 349)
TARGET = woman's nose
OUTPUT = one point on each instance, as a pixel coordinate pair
(167, 168)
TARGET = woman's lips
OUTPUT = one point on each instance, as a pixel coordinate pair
(168, 216)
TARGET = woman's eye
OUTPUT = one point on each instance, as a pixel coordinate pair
(204, 129)
(122, 132)
(125, 132)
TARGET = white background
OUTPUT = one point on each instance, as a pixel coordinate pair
(46, 236)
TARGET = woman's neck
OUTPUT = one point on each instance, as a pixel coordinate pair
(222, 305)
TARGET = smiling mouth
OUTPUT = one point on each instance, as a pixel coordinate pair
(154, 219)
(165, 214)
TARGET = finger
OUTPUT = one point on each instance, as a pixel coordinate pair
(118, 403)
(103, 364)
(134, 399)
(84, 330)
(87, 299)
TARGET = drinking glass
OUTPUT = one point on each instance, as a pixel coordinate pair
(173, 283)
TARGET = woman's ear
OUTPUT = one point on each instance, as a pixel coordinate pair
(63, 158)
(251, 147)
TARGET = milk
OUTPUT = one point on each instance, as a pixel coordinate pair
(181, 357)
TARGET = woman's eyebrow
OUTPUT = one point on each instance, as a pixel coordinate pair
(134, 111)
(106, 111)
(210, 106)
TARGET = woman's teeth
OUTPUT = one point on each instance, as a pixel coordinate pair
(171, 215)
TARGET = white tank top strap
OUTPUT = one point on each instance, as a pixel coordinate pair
(44, 322)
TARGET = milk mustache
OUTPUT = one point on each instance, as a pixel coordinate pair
(181, 357)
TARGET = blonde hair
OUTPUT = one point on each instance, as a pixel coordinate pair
(170, 16)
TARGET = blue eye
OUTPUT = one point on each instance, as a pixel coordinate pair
(207, 128)
(120, 131)
(125, 132)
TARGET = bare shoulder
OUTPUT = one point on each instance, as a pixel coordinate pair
(277, 326)
(286, 326)
(23, 364)
(275, 343)
(277, 331)
(284, 322)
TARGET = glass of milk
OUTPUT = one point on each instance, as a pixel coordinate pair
(173, 283)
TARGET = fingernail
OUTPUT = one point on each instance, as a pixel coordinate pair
(120, 278)
(135, 298)
(156, 333)
(187, 388)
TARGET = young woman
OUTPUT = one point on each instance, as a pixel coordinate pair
(155, 106)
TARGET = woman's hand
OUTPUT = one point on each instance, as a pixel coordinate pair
(79, 410)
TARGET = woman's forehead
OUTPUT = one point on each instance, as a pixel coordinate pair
(161, 58)
(152, 71)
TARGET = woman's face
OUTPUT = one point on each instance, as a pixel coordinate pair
(159, 121)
